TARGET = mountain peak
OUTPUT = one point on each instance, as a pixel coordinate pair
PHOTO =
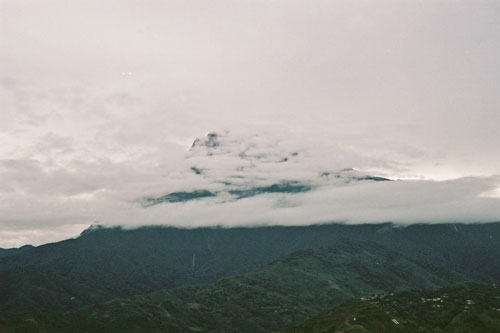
(211, 141)
(92, 228)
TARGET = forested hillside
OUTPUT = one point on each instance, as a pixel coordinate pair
(264, 278)
(466, 307)
(280, 294)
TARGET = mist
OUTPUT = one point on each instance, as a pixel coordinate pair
(100, 104)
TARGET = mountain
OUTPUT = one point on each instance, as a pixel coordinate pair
(229, 167)
(468, 307)
(105, 263)
(9, 252)
(282, 293)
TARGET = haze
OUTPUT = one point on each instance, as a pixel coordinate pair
(100, 103)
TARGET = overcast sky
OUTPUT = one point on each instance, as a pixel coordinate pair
(100, 102)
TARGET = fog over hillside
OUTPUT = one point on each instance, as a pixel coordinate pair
(241, 180)
(246, 113)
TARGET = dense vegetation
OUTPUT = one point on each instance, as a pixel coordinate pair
(282, 293)
(466, 307)
(243, 279)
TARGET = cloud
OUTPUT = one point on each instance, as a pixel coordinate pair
(245, 180)
(101, 114)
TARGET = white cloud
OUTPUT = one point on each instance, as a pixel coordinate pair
(47, 201)
(405, 90)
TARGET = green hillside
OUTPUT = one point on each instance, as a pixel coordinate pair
(252, 279)
(103, 264)
(469, 307)
(283, 293)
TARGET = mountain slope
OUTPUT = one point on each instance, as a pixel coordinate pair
(12, 251)
(466, 307)
(106, 263)
(284, 292)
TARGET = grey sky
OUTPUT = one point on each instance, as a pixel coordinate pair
(101, 100)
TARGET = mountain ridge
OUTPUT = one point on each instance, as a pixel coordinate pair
(285, 291)
(143, 260)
